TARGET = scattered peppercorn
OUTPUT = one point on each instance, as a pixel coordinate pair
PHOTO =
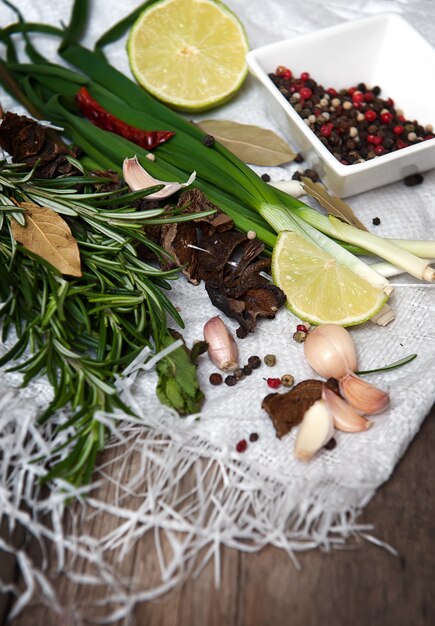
(208, 140)
(230, 380)
(247, 370)
(311, 174)
(265, 177)
(287, 380)
(354, 124)
(302, 328)
(274, 383)
(241, 445)
(254, 437)
(413, 179)
(299, 336)
(331, 444)
(215, 378)
(239, 374)
(376, 221)
(254, 362)
(270, 360)
(298, 158)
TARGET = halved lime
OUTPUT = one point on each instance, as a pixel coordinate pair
(189, 54)
(320, 290)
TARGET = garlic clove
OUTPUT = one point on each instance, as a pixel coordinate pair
(330, 351)
(222, 348)
(315, 431)
(363, 396)
(344, 417)
(138, 178)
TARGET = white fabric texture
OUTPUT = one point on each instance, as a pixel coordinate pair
(265, 495)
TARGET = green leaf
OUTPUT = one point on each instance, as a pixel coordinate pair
(178, 385)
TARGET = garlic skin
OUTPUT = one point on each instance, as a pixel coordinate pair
(363, 396)
(222, 348)
(344, 417)
(315, 431)
(330, 351)
(138, 178)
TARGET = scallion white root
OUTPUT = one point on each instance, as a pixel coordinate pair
(282, 219)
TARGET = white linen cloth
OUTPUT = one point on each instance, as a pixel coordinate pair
(265, 495)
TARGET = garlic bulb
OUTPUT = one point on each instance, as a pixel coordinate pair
(315, 431)
(363, 396)
(330, 351)
(345, 417)
(222, 348)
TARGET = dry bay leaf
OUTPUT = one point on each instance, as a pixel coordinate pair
(334, 205)
(252, 144)
(48, 236)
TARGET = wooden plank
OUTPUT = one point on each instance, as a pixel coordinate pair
(359, 585)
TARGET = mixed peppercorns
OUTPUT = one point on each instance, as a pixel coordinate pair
(354, 124)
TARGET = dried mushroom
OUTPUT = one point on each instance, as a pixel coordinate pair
(287, 410)
(210, 250)
(31, 143)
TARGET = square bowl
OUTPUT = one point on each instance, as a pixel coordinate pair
(382, 50)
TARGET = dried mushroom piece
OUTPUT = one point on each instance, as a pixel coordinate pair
(28, 142)
(181, 241)
(241, 291)
(287, 410)
(208, 249)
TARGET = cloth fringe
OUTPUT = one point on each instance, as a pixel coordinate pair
(193, 497)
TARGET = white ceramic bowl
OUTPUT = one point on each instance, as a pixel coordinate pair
(381, 50)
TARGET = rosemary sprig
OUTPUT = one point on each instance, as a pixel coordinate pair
(81, 332)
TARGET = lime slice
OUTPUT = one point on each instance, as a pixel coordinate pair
(318, 288)
(189, 54)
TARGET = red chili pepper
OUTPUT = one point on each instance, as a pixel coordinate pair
(96, 114)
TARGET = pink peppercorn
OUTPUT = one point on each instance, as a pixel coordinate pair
(377, 141)
(368, 97)
(398, 130)
(241, 445)
(306, 93)
(273, 383)
(287, 75)
(386, 117)
(305, 76)
(379, 150)
(357, 96)
(302, 328)
(325, 130)
(370, 115)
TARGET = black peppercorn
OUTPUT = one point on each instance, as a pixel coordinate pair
(230, 380)
(253, 437)
(376, 221)
(247, 370)
(208, 140)
(215, 378)
(413, 179)
(254, 362)
(331, 444)
(265, 177)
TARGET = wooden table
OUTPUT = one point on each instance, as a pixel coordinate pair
(362, 585)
